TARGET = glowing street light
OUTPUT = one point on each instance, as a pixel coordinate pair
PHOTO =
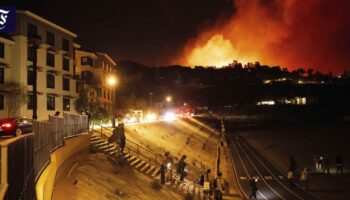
(168, 99)
(111, 80)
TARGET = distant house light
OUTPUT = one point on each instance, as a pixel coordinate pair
(269, 103)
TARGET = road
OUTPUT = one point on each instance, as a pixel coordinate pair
(272, 182)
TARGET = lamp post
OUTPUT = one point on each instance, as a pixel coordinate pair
(34, 42)
(112, 82)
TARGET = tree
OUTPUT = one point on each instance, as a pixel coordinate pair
(15, 98)
(82, 104)
(310, 72)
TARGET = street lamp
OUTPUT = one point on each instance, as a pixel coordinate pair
(34, 41)
(168, 99)
(112, 82)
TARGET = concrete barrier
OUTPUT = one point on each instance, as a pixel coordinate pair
(46, 180)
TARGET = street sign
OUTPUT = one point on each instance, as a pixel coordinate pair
(92, 95)
(206, 185)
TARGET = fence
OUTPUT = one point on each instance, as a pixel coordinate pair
(20, 165)
(50, 135)
(75, 124)
(131, 147)
(42, 145)
(25, 157)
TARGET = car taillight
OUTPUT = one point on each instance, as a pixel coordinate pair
(6, 125)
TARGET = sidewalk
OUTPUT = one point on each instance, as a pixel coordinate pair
(94, 177)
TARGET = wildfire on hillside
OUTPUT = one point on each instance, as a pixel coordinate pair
(293, 34)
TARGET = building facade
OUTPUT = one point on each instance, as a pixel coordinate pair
(56, 86)
(93, 68)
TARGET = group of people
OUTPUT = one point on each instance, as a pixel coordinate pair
(293, 176)
(166, 168)
(118, 136)
(322, 163)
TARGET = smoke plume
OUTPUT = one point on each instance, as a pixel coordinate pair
(289, 33)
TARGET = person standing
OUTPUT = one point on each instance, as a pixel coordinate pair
(162, 174)
(292, 164)
(122, 138)
(340, 163)
(304, 179)
(290, 177)
(254, 188)
(320, 164)
(326, 168)
(180, 169)
(316, 159)
(168, 163)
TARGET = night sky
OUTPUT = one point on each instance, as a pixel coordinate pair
(150, 32)
(293, 33)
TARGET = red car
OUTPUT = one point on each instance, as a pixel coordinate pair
(15, 126)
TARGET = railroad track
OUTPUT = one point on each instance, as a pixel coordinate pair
(272, 181)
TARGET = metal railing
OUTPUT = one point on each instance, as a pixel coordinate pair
(75, 124)
(50, 135)
(131, 147)
(20, 169)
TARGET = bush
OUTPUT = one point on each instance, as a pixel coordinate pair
(156, 185)
(188, 197)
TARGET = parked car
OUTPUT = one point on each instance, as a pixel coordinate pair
(15, 126)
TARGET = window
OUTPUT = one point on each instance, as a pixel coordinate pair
(50, 81)
(50, 38)
(65, 63)
(65, 83)
(30, 77)
(30, 102)
(2, 75)
(86, 61)
(31, 30)
(66, 104)
(50, 59)
(2, 50)
(1, 102)
(31, 52)
(50, 103)
(65, 44)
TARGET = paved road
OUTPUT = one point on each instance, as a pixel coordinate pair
(272, 181)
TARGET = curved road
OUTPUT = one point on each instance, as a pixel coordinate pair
(272, 182)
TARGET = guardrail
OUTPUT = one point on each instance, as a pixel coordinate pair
(193, 173)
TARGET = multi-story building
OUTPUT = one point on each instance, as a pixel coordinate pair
(55, 77)
(94, 68)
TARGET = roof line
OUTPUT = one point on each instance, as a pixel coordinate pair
(88, 52)
(107, 56)
(47, 22)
